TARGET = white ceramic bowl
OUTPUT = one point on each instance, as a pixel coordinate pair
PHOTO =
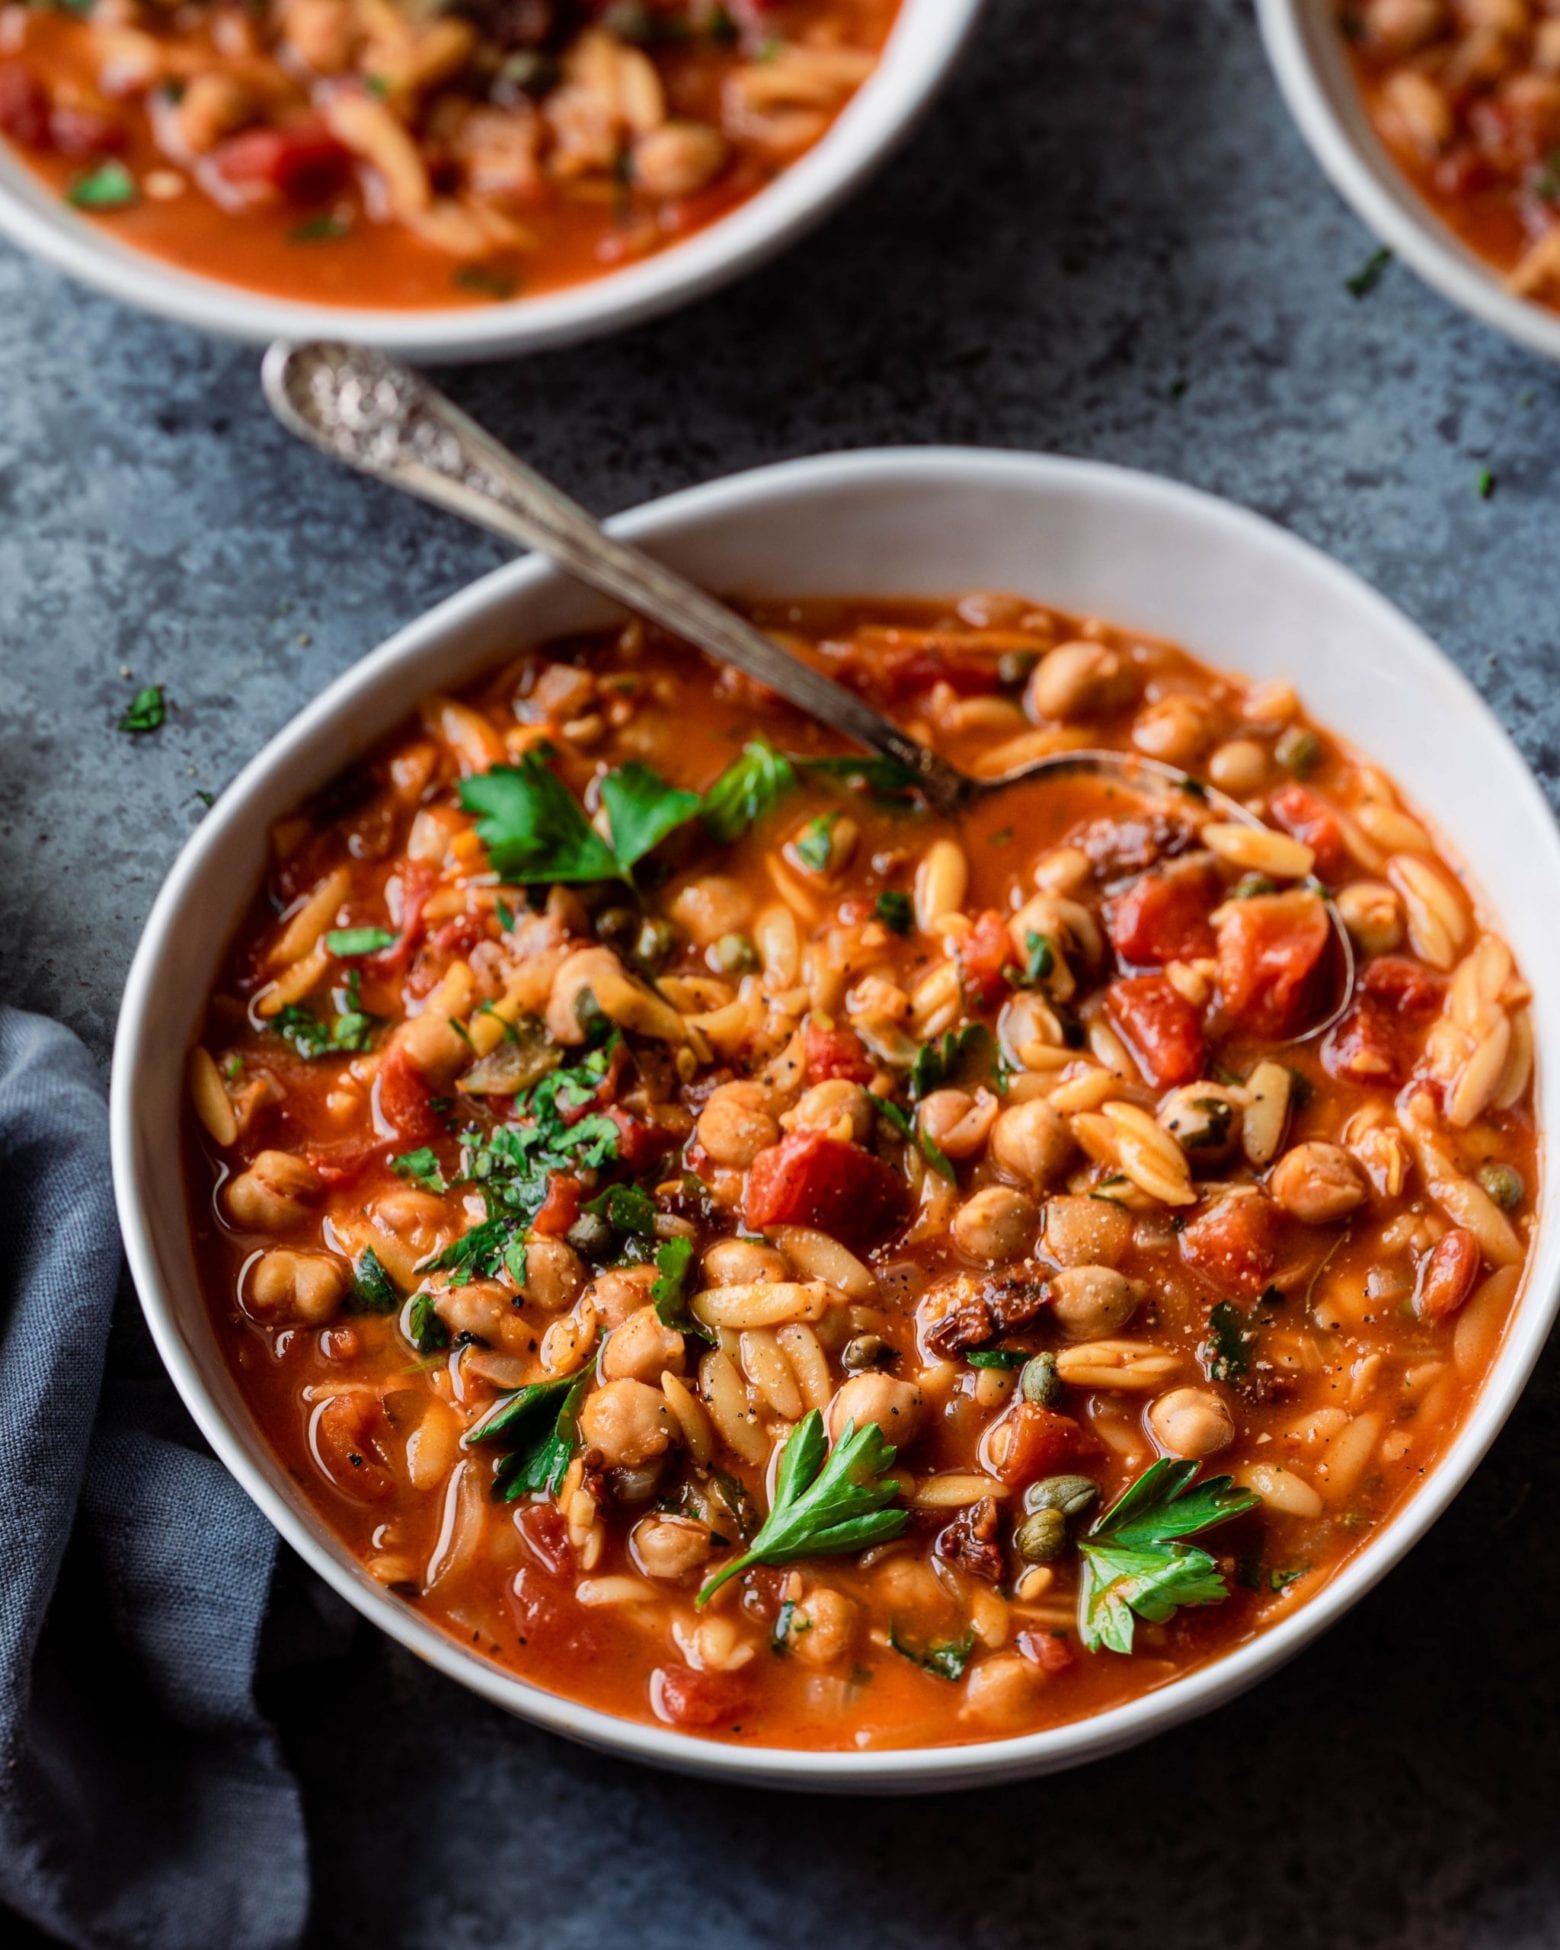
(1312, 66)
(920, 52)
(1089, 538)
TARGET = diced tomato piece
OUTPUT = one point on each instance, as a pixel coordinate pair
(1048, 1650)
(418, 881)
(83, 132)
(403, 1099)
(305, 163)
(836, 1053)
(457, 938)
(1163, 1029)
(1163, 916)
(1366, 1047)
(984, 955)
(1308, 817)
(689, 1698)
(1032, 1441)
(1403, 985)
(1271, 948)
(1448, 1275)
(639, 1143)
(809, 1179)
(560, 1208)
(907, 671)
(24, 106)
(1234, 1243)
(339, 1164)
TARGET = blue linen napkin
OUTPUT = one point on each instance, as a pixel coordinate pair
(143, 1797)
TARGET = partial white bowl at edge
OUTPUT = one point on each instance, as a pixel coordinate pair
(1136, 550)
(1311, 62)
(920, 53)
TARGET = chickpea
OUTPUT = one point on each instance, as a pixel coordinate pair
(998, 1690)
(296, 1286)
(744, 1262)
(1079, 680)
(1093, 1302)
(629, 1422)
(736, 1123)
(678, 158)
(613, 1296)
(1082, 1231)
(710, 907)
(836, 1106)
(274, 1193)
(1204, 1119)
(554, 1274)
(436, 1048)
(1191, 1423)
(823, 1627)
(670, 1548)
(996, 1224)
(1238, 766)
(1317, 1183)
(642, 1348)
(1396, 28)
(958, 1121)
(1373, 914)
(1033, 1143)
(896, 1406)
(412, 1215)
(1176, 728)
(487, 1311)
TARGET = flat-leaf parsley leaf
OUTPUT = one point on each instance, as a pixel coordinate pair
(1134, 1564)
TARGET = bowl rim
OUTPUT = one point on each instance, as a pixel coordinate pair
(1297, 34)
(137, 1049)
(917, 59)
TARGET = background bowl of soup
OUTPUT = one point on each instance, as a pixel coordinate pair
(1091, 539)
(1436, 202)
(325, 270)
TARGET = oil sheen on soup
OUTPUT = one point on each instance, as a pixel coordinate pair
(738, 1249)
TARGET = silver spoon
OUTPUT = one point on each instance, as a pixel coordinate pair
(388, 422)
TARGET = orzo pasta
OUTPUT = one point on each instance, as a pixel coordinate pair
(729, 1245)
(422, 152)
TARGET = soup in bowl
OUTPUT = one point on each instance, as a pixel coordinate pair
(708, 1241)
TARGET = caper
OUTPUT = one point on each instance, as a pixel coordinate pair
(1068, 1496)
(1504, 1185)
(1041, 1537)
(630, 20)
(1251, 884)
(592, 1235)
(1039, 1381)
(589, 1014)
(867, 1351)
(734, 954)
(617, 926)
(1299, 751)
(1014, 666)
(528, 72)
(656, 941)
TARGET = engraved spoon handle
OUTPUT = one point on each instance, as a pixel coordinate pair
(387, 421)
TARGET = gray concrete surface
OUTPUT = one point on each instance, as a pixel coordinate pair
(1107, 241)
